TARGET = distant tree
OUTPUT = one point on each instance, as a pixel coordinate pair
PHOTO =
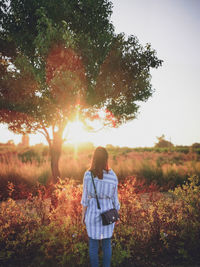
(196, 145)
(162, 142)
(109, 146)
(60, 59)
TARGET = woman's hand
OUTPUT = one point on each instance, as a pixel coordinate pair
(82, 219)
(118, 221)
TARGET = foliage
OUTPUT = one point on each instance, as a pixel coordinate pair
(53, 33)
(196, 145)
(162, 142)
(37, 153)
(166, 170)
(23, 175)
(55, 65)
(29, 156)
(155, 229)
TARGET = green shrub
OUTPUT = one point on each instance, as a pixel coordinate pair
(29, 156)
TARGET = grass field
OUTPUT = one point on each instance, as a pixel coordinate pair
(158, 227)
(164, 168)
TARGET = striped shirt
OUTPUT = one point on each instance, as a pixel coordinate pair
(107, 193)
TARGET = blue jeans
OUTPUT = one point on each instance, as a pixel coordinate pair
(93, 252)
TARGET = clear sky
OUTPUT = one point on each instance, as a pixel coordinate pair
(172, 28)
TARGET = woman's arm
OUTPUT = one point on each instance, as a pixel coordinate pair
(83, 214)
(115, 199)
(84, 200)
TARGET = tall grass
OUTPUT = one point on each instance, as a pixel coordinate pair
(29, 171)
(23, 175)
(164, 169)
(74, 167)
(167, 171)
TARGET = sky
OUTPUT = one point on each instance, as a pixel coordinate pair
(172, 28)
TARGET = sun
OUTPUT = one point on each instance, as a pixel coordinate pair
(90, 130)
(78, 132)
(75, 133)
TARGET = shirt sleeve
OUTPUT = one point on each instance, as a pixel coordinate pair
(84, 199)
(115, 199)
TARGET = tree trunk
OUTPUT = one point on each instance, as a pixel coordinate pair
(55, 152)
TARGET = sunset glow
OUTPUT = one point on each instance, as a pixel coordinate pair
(75, 133)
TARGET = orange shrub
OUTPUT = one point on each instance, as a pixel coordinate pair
(155, 229)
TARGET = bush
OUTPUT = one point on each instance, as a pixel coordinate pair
(30, 155)
(162, 143)
(38, 232)
(155, 230)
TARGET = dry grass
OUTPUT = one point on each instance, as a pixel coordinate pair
(29, 172)
(164, 168)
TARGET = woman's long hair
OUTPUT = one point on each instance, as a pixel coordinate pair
(99, 162)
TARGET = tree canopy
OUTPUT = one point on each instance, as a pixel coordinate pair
(58, 59)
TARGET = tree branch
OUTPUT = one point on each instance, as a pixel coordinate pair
(45, 134)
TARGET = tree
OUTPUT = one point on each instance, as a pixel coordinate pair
(162, 142)
(195, 145)
(60, 60)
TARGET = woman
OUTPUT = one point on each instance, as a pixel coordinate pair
(106, 183)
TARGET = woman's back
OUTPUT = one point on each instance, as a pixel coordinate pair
(108, 198)
(106, 184)
(105, 187)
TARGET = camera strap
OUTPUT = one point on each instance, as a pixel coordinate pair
(98, 205)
